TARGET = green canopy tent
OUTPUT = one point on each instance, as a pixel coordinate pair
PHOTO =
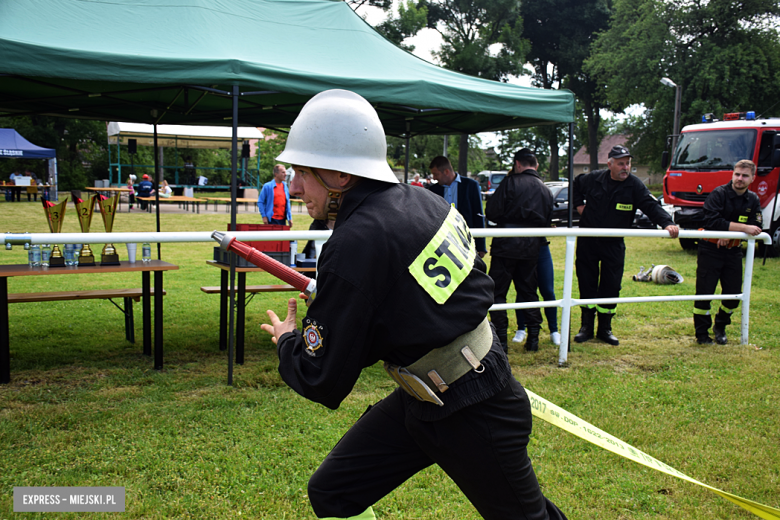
(207, 62)
(177, 62)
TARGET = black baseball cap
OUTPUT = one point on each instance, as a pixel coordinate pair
(619, 151)
(524, 153)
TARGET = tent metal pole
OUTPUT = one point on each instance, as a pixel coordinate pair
(406, 161)
(571, 172)
(157, 191)
(233, 210)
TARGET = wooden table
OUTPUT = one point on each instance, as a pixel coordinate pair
(228, 200)
(240, 303)
(180, 199)
(20, 189)
(111, 190)
(156, 266)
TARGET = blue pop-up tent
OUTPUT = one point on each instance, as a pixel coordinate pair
(14, 146)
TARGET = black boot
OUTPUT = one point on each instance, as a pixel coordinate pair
(605, 329)
(702, 324)
(532, 341)
(719, 330)
(586, 329)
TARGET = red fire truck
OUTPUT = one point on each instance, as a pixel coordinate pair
(705, 158)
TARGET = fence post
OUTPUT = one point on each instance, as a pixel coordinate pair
(746, 283)
(568, 281)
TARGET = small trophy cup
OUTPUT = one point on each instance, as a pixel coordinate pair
(54, 215)
(84, 210)
(107, 206)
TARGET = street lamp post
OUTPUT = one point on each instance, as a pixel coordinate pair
(677, 96)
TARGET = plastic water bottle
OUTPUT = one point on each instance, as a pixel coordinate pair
(146, 252)
(293, 252)
(45, 254)
(69, 254)
(76, 253)
(35, 252)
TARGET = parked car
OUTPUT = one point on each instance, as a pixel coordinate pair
(642, 221)
(560, 213)
(489, 181)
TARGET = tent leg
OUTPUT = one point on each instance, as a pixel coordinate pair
(233, 209)
(406, 161)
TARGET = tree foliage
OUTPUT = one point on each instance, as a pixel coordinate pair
(724, 54)
(561, 33)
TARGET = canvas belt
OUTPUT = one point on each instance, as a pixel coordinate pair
(439, 368)
(732, 243)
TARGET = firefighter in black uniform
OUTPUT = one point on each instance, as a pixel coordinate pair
(731, 207)
(399, 281)
(609, 199)
(520, 201)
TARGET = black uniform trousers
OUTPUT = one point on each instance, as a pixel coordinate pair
(599, 266)
(482, 447)
(716, 265)
(523, 274)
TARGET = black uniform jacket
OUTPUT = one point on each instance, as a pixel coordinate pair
(613, 204)
(521, 200)
(724, 206)
(399, 277)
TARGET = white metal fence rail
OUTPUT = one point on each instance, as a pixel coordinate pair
(570, 234)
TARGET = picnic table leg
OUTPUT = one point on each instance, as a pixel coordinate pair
(240, 318)
(223, 310)
(5, 339)
(158, 320)
(146, 300)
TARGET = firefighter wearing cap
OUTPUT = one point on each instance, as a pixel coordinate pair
(145, 189)
(406, 287)
(608, 198)
(731, 207)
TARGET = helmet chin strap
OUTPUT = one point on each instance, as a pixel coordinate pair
(335, 195)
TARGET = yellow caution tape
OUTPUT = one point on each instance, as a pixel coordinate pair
(557, 416)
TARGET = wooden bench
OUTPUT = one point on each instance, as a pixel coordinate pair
(129, 296)
(251, 289)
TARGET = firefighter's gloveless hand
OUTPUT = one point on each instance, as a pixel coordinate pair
(278, 327)
(673, 231)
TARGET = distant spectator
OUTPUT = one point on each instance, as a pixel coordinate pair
(145, 189)
(274, 199)
(165, 190)
(463, 193)
(416, 181)
(131, 193)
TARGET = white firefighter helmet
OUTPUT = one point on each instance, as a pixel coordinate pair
(665, 275)
(339, 130)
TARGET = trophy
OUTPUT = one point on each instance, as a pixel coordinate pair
(107, 207)
(54, 215)
(84, 210)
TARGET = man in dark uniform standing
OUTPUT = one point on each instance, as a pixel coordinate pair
(609, 199)
(731, 207)
(520, 201)
(399, 281)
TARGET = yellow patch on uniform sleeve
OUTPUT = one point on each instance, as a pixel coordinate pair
(624, 207)
(743, 218)
(447, 259)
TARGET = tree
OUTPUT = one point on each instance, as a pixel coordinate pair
(561, 33)
(725, 55)
(482, 38)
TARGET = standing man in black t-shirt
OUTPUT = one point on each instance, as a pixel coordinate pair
(609, 199)
(731, 207)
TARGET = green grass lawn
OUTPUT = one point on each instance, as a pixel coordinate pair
(85, 407)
